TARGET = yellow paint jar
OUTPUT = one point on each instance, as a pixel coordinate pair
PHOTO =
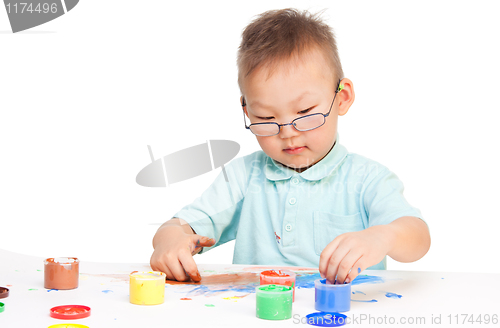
(147, 288)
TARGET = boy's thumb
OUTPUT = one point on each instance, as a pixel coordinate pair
(202, 241)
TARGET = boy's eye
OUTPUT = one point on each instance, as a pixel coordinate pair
(265, 118)
(305, 111)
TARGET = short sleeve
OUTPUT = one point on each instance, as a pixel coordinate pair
(383, 199)
(216, 212)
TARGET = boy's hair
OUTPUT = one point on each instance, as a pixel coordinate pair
(276, 35)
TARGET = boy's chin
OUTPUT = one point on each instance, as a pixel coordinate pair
(298, 166)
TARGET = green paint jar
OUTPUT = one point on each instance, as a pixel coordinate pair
(274, 302)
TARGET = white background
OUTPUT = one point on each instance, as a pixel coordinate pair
(82, 96)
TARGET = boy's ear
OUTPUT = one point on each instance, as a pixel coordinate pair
(243, 105)
(346, 96)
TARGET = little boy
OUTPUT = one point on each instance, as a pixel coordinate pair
(303, 200)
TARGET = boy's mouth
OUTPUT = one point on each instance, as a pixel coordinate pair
(294, 150)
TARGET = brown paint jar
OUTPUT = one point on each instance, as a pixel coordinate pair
(61, 273)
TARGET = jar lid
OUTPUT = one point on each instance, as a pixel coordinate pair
(70, 312)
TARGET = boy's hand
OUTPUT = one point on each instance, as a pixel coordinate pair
(352, 252)
(174, 250)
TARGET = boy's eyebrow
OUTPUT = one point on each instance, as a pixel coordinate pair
(256, 103)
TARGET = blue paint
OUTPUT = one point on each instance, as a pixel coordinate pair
(359, 270)
(52, 290)
(326, 319)
(107, 291)
(365, 279)
(358, 292)
(214, 289)
(332, 298)
(392, 295)
(306, 280)
(363, 301)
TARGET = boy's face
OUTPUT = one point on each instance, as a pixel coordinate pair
(295, 89)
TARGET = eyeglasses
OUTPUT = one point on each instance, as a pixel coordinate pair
(304, 123)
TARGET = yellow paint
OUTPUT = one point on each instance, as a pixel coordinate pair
(147, 288)
(233, 298)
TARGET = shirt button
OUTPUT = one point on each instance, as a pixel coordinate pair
(288, 227)
(295, 181)
(292, 201)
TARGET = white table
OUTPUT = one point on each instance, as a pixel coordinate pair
(426, 297)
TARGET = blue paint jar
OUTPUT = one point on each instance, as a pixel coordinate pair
(332, 298)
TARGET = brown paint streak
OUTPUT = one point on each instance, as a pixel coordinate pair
(242, 278)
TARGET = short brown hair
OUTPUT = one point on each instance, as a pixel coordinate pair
(276, 35)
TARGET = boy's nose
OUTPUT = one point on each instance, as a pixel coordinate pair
(288, 131)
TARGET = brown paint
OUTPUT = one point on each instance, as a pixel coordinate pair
(4, 292)
(242, 278)
(60, 275)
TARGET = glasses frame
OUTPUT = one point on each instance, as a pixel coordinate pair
(292, 123)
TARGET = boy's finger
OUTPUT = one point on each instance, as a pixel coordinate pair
(347, 265)
(334, 263)
(189, 266)
(357, 268)
(177, 271)
(325, 256)
(201, 241)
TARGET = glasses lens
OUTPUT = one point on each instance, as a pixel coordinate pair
(265, 129)
(309, 122)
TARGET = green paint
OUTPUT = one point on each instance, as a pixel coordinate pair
(274, 302)
(209, 305)
(32, 289)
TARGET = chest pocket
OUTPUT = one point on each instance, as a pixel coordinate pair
(327, 226)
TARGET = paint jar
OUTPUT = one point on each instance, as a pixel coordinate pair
(61, 272)
(4, 292)
(278, 277)
(274, 302)
(147, 288)
(332, 298)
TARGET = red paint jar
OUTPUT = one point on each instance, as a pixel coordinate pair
(278, 277)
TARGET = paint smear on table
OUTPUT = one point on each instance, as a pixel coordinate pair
(289, 268)
(393, 295)
(107, 291)
(358, 292)
(365, 301)
(246, 282)
(215, 284)
(234, 298)
(186, 299)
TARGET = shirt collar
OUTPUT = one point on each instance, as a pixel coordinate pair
(275, 171)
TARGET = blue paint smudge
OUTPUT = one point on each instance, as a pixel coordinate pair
(107, 291)
(52, 290)
(370, 301)
(213, 290)
(306, 280)
(359, 270)
(365, 279)
(358, 292)
(393, 295)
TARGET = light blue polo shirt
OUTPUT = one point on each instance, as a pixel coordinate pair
(281, 217)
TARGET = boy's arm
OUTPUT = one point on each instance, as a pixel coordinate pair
(410, 239)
